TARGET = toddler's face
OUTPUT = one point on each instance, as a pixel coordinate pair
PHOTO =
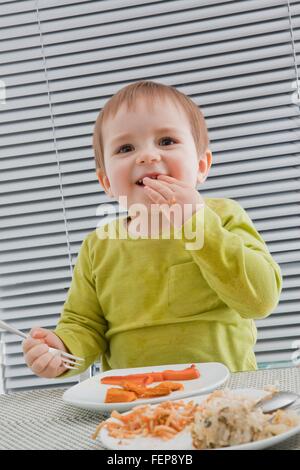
(157, 140)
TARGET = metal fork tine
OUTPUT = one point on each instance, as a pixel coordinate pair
(71, 367)
(72, 363)
(64, 354)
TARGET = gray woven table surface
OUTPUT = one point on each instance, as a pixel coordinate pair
(40, 419)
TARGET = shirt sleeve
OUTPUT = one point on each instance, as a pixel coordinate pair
(82, 325)
(234, 258)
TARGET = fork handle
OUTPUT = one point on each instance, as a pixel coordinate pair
(11, 329)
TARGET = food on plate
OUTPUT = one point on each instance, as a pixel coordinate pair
(157, 376)
(172, 386)
(143, 392)
(117, 395)
(164, 388)
(119, 379)
(137, 384)
(188, 373)
(164, 421)
(225, 419)
(139, 391)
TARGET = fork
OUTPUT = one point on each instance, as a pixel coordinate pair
(69, 361)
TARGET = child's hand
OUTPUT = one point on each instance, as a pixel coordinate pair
(37, 357)
(168, 190)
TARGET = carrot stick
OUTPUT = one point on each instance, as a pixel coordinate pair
(138, 379)
(189, 373)
(157, 376)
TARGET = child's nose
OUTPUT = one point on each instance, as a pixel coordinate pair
(148, 157)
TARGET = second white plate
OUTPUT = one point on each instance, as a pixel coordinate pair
(183, 440)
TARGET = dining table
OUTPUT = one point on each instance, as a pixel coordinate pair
(39, 419)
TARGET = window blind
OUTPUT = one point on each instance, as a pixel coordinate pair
(62, 60)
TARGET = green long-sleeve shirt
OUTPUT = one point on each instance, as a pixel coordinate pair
(140, 302)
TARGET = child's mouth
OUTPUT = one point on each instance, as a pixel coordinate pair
(140, 182)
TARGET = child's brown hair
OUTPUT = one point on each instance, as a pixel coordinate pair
(151, 91)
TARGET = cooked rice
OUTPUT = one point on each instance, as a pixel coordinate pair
(226, 419)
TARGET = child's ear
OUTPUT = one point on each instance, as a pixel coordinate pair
(104, 181)
(204, 166)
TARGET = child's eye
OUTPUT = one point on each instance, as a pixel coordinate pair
(126, 146)
(123, 147)
(168, 139)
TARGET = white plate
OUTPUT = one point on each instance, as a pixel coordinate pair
(91, 393)
(183, 441)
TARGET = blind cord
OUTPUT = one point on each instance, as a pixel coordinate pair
(294, 51)
(54, 140)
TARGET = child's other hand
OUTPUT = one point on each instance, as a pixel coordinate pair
(37, 357)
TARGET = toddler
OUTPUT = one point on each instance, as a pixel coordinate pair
(141, 298)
